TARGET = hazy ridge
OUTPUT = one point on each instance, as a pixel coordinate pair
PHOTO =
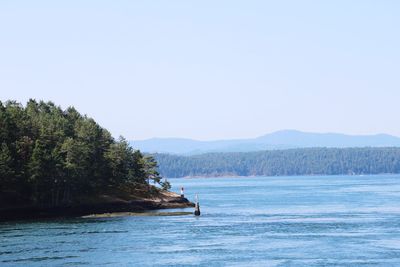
(284, 139)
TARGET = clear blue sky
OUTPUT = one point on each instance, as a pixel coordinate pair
(208, 69)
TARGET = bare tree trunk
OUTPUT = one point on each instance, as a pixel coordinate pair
(64, 200)
(58, 196)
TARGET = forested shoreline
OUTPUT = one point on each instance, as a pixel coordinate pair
(302, 161)
(51, 157)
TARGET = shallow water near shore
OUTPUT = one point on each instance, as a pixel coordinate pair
(253, 221)
(127, 214)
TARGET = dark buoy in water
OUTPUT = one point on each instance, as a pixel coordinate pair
(197, 207)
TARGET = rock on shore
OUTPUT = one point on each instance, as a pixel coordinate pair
(100, 204)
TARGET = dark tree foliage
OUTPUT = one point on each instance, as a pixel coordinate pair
(50, 156)
(305, 161)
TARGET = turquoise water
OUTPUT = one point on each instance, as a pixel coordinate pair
(260, 221)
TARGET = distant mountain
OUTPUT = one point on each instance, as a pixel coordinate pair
(278, 140)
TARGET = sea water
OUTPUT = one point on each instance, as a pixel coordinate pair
(246, 221)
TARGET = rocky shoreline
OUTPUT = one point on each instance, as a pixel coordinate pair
(105, 204)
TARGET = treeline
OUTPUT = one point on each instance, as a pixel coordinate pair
(305, 161)
(51, 156)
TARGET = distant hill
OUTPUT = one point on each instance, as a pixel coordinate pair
(278, 140)
(300, 161)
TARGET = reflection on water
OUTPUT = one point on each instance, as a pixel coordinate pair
(270, 221)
